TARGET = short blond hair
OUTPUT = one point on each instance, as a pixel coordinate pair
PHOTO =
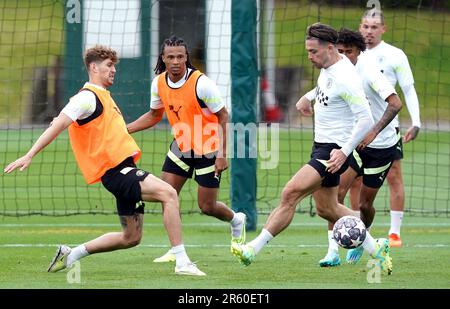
(374, 13)
(99, 53)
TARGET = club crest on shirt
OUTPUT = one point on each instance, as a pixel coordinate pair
(329, 83)
(140, 173)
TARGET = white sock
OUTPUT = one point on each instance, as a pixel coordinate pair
(236, 224)
(259, 242)
(396, 222)
(332, 244)
(76, 254)
(180, 255)
(369, 244)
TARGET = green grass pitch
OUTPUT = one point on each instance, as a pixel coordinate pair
(53, 184)
(289, 262)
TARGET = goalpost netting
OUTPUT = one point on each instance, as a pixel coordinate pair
(41, 44)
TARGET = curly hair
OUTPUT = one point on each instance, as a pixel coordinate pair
(322, 32)
(172, 41)
(348, 37)
(99, 53)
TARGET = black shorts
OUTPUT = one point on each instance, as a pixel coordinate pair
(373, 164)
(319, 155)
(184, 163)
(399, 146)
(123, 181)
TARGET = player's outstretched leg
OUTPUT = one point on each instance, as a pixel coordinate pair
(382, 254)
(330, 260)
(59, 261)
(245, 253)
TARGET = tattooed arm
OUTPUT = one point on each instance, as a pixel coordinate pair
(394, 106)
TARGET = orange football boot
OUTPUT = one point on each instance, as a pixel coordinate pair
(394, 241)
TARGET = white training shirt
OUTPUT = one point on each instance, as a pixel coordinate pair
(394, 64)
(81, 105)
(377, 88)
(206, 90)
(340, 100)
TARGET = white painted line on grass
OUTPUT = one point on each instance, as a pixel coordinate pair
(215, 246)
(205, 224)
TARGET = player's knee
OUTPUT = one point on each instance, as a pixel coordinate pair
(169, 195)
(394, 177)
(321, 211)
(289, 195)
(207, 207)
(366, 205)
(132, 243)
(391, 176)
(135, 241)
(326, 213)
(395, 184)
(132, 240)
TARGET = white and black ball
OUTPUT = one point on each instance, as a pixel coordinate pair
(349, 232)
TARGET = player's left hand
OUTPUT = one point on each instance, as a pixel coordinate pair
(367, 140)
(411, 134)
(220, 166)
(337, 158)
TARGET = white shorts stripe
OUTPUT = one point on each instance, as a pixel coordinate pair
(205, 170)
(126, 170)
(178, 161)
(376, 170)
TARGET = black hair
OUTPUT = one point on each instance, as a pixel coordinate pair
(322, 32)
(348, 37)
(172, 41)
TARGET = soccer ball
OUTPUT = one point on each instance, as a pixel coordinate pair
(349, 232)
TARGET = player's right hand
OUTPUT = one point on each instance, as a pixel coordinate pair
(337, 159)
(21, 163)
